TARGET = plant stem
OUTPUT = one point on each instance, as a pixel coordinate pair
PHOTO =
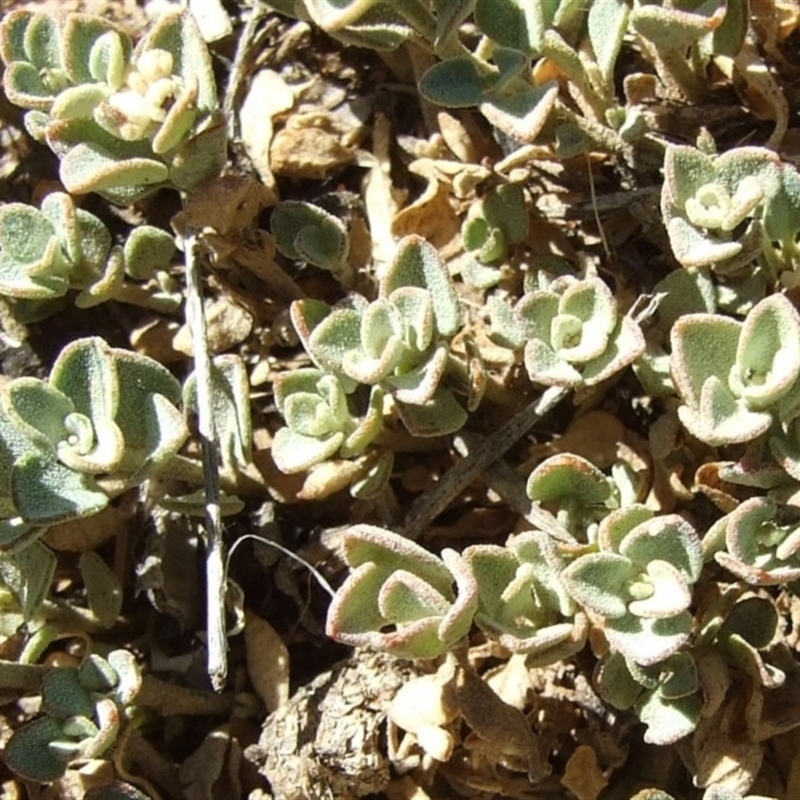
(215, 562)
(432, 502)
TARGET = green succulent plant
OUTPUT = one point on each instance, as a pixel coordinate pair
(758, 542)
(319, 422)
(665, 696)
(398, 342)
(522, 602)
(496, 222)
(735, 378)
(685, 36)
(576, 492)
(82, 712)
(105, 417)
(45, 253)
(305, 232)
(639, 584)
(725, 211)
(399, 598)
(572, 332)
(124, 121)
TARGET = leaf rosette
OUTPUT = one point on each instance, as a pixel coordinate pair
(639, 583)
(399, 342)
(399, 598)
(735, 377)
(522, 602)
(572, 333)
(124, 121)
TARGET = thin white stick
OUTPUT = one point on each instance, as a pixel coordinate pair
(217, 664)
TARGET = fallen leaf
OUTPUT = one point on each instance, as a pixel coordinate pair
(267, 661)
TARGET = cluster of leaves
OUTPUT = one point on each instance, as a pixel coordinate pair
(124, 121)
(631, 576)
(44, 253)
(721, 336)
(393, 351)
(83, 709)
(105, 420)
(511, 70)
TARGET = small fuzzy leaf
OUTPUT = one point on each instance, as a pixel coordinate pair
(722, 419)
(566, 476)
(755, 619)
(405, 597)
(768, 353)
(29, 573)
(625, 345)
(40, 410)
(64, 696)
(667, 538)
(648, 641)
(108, 58)
(606, 24)
(505, 208)
(703, 346)
(12, 34)
(46, 492)
(178, 122)
(417, 263)
(202, 157)
(521, 115)
(79, 101)
(368, 543)
(544, 366)
(420, 385)
(147, 250)
(455, 83)
(82, 34)
(335, 336)
(696, 248)
(668, 720)
(28, 754)
(25, 88)
(84, 372)
(178, 34)
(598, 582)
(89, 168)
(27, 238)
(43, 41)
(439, 416)
(306, 232)
(293, 452)
(614, 682)
(513, 23)
(97, 675)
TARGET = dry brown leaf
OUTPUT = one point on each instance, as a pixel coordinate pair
(228, 325)
(499, 731)
(583, 776)
(267, 661)
(268, 96)
(511, 681)
(430, 216)
(154, 337)
(229, 204)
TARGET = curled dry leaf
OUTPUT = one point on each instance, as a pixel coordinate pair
(267, 661)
